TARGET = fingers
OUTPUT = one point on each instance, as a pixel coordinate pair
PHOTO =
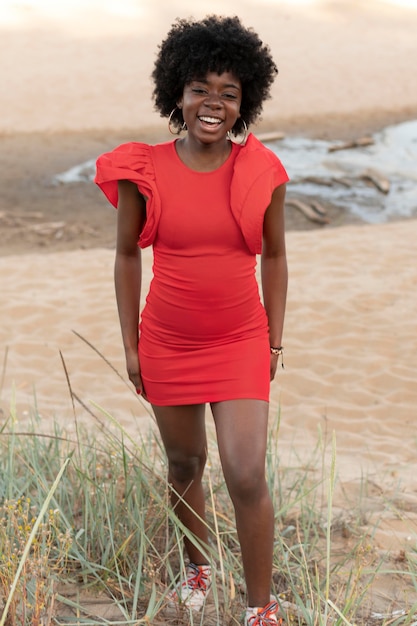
(136, 380)
(273, 366)
(141, 392)
(133, 371)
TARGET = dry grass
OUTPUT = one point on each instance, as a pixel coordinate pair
(87, 536)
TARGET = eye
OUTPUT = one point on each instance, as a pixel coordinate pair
(198, 90)
(230, 96)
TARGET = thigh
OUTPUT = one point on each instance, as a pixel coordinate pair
(242, 429)
(182, 429)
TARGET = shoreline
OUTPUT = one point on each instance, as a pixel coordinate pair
(43, 216)
(324, 125)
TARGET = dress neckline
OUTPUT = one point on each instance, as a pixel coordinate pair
(229, 159)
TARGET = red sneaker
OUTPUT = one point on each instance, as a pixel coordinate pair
(266, 616)
(193, 591)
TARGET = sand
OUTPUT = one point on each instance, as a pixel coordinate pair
(350, 344)
(77, 66)
(75, 83)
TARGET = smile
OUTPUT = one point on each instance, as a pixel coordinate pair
(210, 120)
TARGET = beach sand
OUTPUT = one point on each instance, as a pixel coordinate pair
(76, 83)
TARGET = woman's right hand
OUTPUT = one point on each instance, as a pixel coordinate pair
(133, 371)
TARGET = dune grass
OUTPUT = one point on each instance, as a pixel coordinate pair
(87, 536)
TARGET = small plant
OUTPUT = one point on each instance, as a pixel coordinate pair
(46, 561)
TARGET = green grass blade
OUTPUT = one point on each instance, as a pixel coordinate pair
(31, 539)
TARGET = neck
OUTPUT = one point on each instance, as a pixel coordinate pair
(203, 157)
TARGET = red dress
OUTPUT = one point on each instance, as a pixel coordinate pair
(203, 330)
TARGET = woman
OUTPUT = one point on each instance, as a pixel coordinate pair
(207, 205)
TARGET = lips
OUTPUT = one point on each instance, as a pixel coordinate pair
(212, 121)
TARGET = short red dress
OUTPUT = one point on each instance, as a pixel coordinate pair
(203, 333)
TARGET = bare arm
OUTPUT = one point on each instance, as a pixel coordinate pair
(128, 273)
(274, 272)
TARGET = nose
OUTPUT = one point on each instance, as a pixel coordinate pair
(213, 99)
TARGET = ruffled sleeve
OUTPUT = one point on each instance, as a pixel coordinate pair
(131, 161)
(257, 173)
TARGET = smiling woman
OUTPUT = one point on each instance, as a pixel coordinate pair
(210, 107)
(208, 206)
(190, 54)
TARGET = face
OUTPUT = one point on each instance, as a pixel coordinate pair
(211, 106)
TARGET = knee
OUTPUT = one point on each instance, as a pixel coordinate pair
(246, 486)
(184, 469)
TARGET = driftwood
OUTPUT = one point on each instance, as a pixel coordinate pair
(16, 219)
(318, 180)
(346, 182)
(48, 228)
(377, 179)
(356, 143)
(273, 136)
(319, 209)
(313, 211)
(30, 223)
(371, 176)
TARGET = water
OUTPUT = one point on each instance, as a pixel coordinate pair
(393, 155)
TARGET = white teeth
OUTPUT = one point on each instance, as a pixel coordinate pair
(210, 120)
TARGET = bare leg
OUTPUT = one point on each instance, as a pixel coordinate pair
(183, 434)
(242, 436)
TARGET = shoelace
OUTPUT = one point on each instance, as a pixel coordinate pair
(199, 577)
(262, 618)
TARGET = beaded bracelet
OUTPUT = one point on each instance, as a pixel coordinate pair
(278, 352)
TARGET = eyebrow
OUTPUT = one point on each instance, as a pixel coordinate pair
(226, 86)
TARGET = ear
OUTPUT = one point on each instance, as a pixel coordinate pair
(179, 103)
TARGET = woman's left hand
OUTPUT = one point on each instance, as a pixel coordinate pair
(273, 366)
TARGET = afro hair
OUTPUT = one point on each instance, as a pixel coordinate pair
(192, 49)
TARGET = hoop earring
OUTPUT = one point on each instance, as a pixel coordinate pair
(170, 125)
(245, 134)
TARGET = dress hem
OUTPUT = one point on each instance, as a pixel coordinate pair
(187, 402)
